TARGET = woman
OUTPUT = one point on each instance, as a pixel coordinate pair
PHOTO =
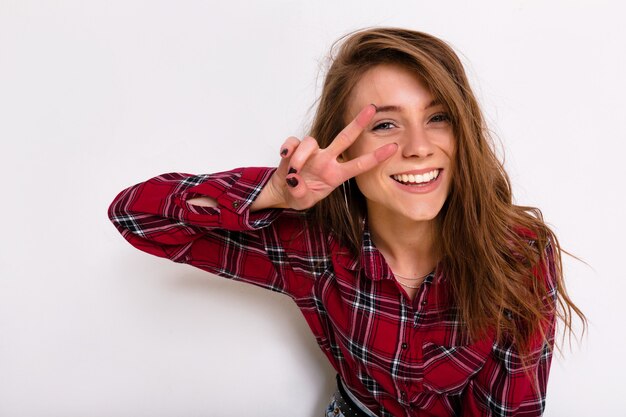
(392, 228)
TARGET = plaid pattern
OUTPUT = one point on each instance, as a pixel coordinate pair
(399, 357)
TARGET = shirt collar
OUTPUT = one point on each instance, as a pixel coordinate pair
(369, 260)
(373, 263)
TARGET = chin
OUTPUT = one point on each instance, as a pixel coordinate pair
(422, 215)
(423, 218)
(424, 210)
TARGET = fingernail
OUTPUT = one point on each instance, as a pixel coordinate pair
(284, 151)
(372, 104)
(292, 182)
(292, 171)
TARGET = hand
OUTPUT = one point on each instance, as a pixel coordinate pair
(307, 174)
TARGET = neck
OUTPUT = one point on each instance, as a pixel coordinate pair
(407, 245)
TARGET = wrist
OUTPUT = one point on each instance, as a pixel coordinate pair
(269, 198)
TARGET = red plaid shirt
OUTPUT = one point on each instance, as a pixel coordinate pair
(400, 357)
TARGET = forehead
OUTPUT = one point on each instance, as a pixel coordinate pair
(389, 84)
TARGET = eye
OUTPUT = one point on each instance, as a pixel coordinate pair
(440, 117)
(383, 126)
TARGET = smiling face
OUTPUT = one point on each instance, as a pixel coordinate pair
(413, 184)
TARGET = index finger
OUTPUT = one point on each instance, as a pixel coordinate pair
(348, 135)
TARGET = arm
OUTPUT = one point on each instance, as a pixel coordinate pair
(502, 387)
(218, 222)
(155, 216)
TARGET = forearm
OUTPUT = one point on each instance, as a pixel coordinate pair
(196, 219)
(172, 208)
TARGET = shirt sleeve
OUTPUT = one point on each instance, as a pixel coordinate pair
(227, 240)
(503, 388)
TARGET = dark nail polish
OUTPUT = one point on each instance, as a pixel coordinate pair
(284, 152)
(292, 171)
(292, 182)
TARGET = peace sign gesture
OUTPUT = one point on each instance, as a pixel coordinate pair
(307, 174)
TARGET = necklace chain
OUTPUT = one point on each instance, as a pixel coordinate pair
(410, 279)
(408, 286)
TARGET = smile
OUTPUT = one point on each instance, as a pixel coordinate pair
(417, 179)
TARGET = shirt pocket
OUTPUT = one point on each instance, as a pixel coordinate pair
(448, 369)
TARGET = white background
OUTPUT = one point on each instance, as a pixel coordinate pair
(98, 95)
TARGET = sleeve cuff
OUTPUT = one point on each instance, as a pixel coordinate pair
(235, 191)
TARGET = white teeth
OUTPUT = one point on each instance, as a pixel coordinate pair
(417, 179)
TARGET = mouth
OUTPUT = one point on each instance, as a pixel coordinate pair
(417, 180)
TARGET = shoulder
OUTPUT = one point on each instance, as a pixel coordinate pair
(303, 243)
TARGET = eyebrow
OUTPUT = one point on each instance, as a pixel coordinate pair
(392, 108)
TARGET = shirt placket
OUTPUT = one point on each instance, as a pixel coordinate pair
(410, 362)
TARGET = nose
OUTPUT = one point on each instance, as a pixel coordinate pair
(417, 143)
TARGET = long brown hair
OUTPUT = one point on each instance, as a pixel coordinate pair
(502, 261)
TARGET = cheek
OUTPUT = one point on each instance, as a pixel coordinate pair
(371, 184)
(365, 183)
(362, 145)
(449, 146)
(351, 153)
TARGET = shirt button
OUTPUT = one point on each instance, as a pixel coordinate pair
(236, 204)
(424, 302)
(336, 411)
(403, 395)
(404, 346)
